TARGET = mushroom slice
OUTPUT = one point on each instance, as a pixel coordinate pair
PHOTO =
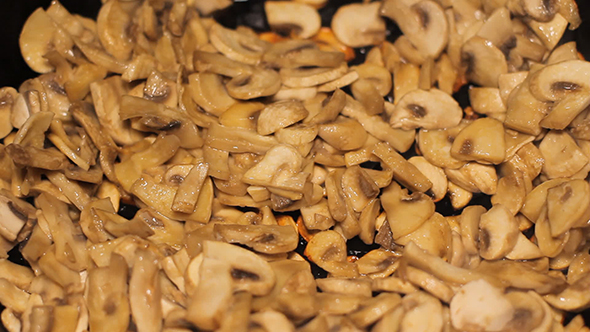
(498, 233)
(236, 45)
(563, 157)
(307, 77)
(524, 249)
(8, 97)
(524, 112)
(431, 109)
(424, 22)
(556, 81)
(479, 306)
(107, 299)
(429, 283)
(113, 24)
(358, 188)
(301, 19)
(435, 174)
(484, 62)
(359, 287)
(434, 236)
(405, 213)
(269, 239)
(435, 145)
(469, 222)
(327, 249)
(569, 10)
(419, 305)
(475, 177)
(565, 52)
(403, 171)
(208, 91)
(400, 140)
(248, 271)
(344, 134)
(260, 83)
(378, 75)
(367, 221)
(144, 291)
(566, 110)
(550, 246)
(219, 64)
(498, 29)
(367, 94)
(329, 108)
(568, 205)
(371, 310)
(550, 32)
(35, 40)
(475, 142)
(359, 25)
(295, 53)
(574, 298)
(271, 320)
(279, 115)
(511, 192)
(406, 78)
(342, 81)
(317, 216)
(486, 101)
(213, 294)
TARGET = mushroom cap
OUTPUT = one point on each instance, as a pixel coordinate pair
(484, 61)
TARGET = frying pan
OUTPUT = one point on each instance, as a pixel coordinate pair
(13, 71)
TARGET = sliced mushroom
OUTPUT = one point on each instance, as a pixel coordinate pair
(327, 249)
(403, 171)
(511, 192)
(406, 78)
(432, 109)
(424, 22)
(35, 40)
(563, 157)
(435, 174)
(405, 213)
(475, 177)
(260, 83)
(236, 45)
(268, 239)
(113, 24)
(484, 62)
(550, 32)
(480, 306)
(358, 25)
(433, 236)
(475, 142)
(568, 205)
(373, 309)
(279, 115)
(498, 233)
(308, 77)
(573, 298)
(378, 75)
(366, 92)
(207, 90)
(556, 81)
(302, 19)
(343, 133)
(435, 146)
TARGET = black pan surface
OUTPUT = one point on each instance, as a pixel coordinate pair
(13, 69)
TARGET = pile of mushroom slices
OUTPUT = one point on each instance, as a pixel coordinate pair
(214, 134)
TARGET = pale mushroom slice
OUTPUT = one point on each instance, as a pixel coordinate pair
(423, 22)
(308, 77)
(36, 39)
(498, 233)
(359, 25)
(371, 310)
(484, 62)
(565, 111)
(573, 298)
(430, 284)
(260, 83)
(219, 64)
(556, 81)
(378, 75)
(480, 306)
(550, 32)
(279, 115)
(435, 174)
(236, 45)
(482, 141)
(301, 19)
(469, 223)
(435, 145)
(550, 246)
(405, 213)
(568, 205)
(524, 112)
(487, 101)
(295, 53)
(208, 91)
(524, 249)
(511, 191)
(269, 239)
(431, 109)
(145, 292)
(327, 249)
(419, 305)
(248, 271)
(434, 236)
(367, 94)
(498, 29)
(403, 171)
(475, 177)
(113, 27)
(208, 7)
(343, 133)
(563, 157)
